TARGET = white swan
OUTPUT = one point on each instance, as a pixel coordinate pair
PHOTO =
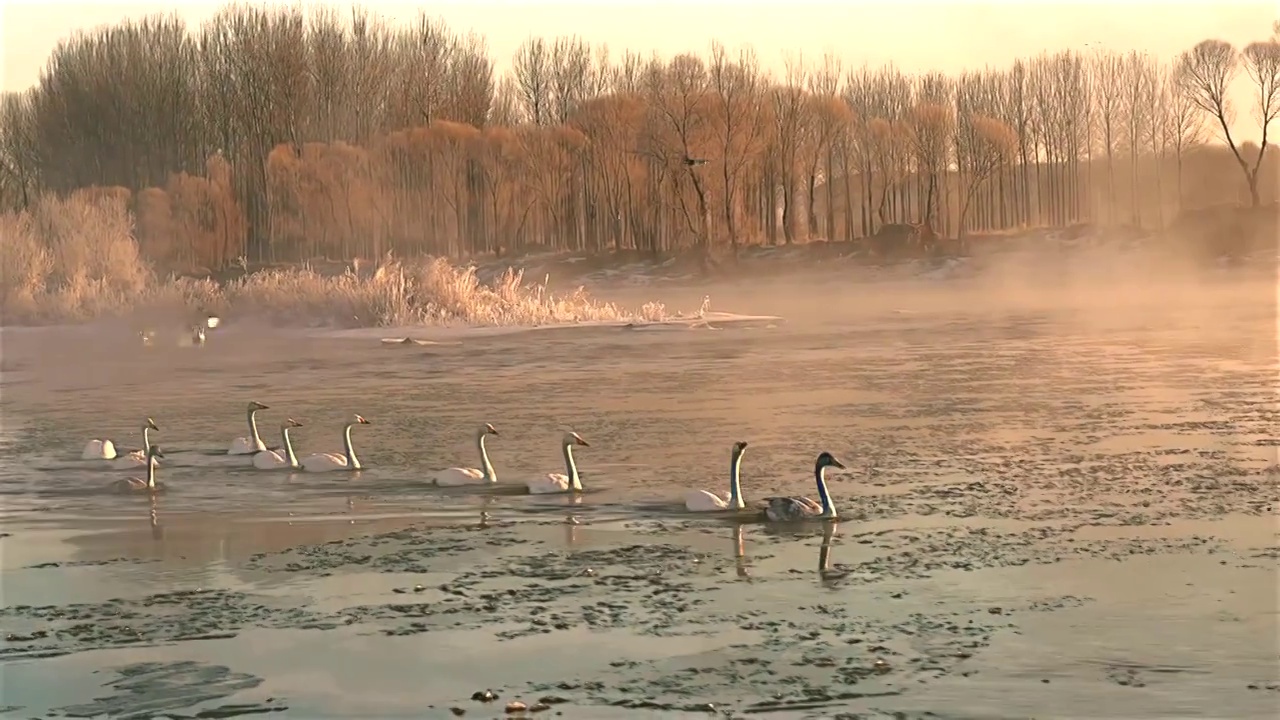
(455, 476)
(133, 484)
(706, 501)
(555, 482)
(790, 509)
(137, 458)
(282, 458)
(324, 462)
(253, 443)
(98, 450)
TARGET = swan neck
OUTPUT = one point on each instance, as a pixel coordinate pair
(253, 429)
(828, 509)
(485, 465)
(288, 448)
(146, 440)
(735, 482)
(571, 468)
(352, 462)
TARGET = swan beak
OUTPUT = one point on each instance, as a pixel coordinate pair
(583, 443)
(260, 406)
(152, 425)
(837, 463)
(362, 421)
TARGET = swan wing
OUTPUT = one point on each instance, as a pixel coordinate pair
(552, 483)
(704, 501)
(784, 509)
(324, 462)
(243, 446)
(452, 477)
(269, 460)
(131, 461)
(98, 450)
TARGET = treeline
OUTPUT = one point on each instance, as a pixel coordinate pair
(281, 134)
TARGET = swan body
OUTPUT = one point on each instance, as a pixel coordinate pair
(791, 509)
(557, 482)
(327, 462)
(136, 485)
(98, 450)
(706, 501)
(457, 476)
(253, 443)
(137, 458)
(282, 458)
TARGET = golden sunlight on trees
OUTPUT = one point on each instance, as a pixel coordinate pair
(285, 133)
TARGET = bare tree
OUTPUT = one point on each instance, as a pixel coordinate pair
(1184, 127)
(1262, 63)
(740, 125)
(1108, 71)
(993, 144)
(1138, 101)
(679, 99)
(19, 151)
(1206, 72)
(532, 69)
(791, 121)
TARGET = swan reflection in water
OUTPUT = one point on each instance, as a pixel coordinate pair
(157, 530)
(571, 521)
(740, 553)
(830, 574)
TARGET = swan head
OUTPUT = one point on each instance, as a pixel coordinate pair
(826, 460)
(488, 429)
(739, 448)
(151, 425)
(255, 405)
(290, 423)
(573, 438)
(154, 451)
(359, 420)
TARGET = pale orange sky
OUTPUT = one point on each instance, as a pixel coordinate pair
(915, 35)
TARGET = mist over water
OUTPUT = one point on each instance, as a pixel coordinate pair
(1024, 436)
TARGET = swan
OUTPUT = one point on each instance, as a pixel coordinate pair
(790, 509)
(133, 484)
(555, 482)
(137, 458)
(282, 458)
(324, 462)
(98, 450)
(455, 476)
(705, 501)
(253, 443)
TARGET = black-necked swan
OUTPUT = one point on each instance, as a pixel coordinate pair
(706, 501)
(555, 482)
(325, 462)
(790, 509)
(133, 484)
(137, 458)
(484, 475)
(253, 443)
(282, 458)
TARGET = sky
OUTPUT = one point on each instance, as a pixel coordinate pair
(913, 34)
